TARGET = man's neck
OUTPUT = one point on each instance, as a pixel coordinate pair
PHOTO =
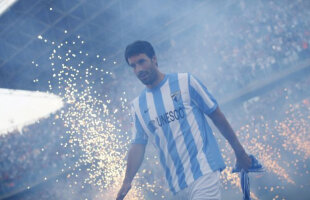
(161, 76)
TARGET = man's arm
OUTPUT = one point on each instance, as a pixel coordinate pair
(134, 160)
(220, 121)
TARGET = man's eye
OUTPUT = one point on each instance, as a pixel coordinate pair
(141, 62)
(133, 65)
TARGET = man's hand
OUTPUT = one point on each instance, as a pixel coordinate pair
(243, 160)
(220, 121)
(123, 191)
(135, 157)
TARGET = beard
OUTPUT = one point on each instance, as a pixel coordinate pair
(148, 77)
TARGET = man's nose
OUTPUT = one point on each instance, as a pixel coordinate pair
(138, 67)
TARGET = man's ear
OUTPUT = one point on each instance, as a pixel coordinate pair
(154, 59)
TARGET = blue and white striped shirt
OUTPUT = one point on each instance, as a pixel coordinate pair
(172, 115)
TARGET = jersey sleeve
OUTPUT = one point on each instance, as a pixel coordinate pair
(200, 96)
(138, 134)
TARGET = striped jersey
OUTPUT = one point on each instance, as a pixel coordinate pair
(172, 116)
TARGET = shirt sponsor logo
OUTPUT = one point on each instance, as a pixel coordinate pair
(170, 116)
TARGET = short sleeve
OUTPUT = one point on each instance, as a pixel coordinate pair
(138, 134)
(201, 97)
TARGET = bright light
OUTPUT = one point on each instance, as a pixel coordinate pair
(6, 4)
(19, 108)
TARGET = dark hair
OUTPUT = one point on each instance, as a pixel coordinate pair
(139, 47)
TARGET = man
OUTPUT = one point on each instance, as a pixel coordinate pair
(171, 112)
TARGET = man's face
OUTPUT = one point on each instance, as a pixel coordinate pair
(144, 67)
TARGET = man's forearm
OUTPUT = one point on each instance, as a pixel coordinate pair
(135, 158)
(220, 121)
(226, 130)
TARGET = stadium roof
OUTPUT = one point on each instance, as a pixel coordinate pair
(106, 26)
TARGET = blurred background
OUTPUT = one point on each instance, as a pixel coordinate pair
(65, 89)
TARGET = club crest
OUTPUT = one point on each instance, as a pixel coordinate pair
(176, 96)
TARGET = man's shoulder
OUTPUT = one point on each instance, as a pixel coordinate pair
(180, 75)
(136, 99)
